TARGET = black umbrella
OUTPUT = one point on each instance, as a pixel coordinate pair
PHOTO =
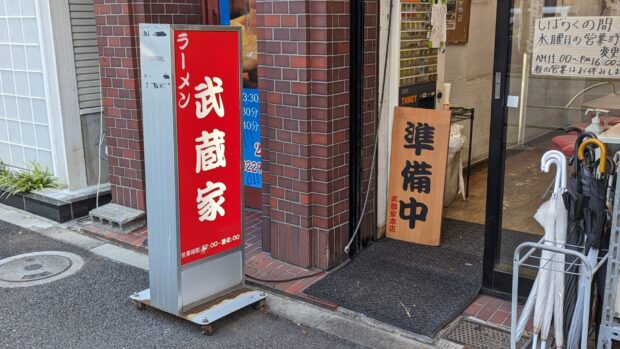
(575, 202)
(604, 224)
(594, 181)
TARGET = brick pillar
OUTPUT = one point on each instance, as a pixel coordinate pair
(117, 38)
(303, 53)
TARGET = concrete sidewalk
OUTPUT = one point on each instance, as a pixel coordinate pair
(350, 326)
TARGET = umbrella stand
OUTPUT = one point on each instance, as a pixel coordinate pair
(609, 327)
(586, 275)
(547, 297)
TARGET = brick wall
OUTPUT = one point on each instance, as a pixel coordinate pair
(304, 92)
(303, 82)
(371, 86)
(117, 35)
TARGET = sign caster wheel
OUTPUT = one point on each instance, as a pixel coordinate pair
(207, 330)
(139, 305)
(260, 305)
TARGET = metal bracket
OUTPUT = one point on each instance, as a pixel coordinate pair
(212, 311)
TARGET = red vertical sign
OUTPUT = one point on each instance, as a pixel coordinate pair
(208, 89)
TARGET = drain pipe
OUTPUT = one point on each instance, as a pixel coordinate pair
(356, 122)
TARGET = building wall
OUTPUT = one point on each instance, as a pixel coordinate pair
(472, 83)
(86, 60)
(117, 37)
(303, 52)
(28, 103)
(94, 155)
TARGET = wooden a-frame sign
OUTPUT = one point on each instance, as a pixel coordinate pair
(417, 175)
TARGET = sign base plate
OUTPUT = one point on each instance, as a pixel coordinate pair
(206, 314)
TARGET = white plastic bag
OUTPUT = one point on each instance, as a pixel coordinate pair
(457, 141)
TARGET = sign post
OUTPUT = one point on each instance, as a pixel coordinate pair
(191, 102)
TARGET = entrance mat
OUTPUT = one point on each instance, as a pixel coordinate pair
(480, 336)
(414, 287)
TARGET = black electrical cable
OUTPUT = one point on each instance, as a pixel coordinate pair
(284, 280)
(297, 277)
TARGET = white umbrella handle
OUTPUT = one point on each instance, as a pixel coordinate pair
(555, 157)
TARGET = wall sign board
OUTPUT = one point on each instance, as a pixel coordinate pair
(587, 47)
(458, 21)
(417, 174)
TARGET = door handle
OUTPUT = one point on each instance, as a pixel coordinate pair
(498, 85)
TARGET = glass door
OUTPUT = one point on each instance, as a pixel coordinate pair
(553, 62)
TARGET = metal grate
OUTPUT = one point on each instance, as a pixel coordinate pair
(84, 33)
(479, 336)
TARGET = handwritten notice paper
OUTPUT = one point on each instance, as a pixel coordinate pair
(417, 174)
(577, 46)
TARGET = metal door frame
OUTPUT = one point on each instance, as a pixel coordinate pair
(498, 282)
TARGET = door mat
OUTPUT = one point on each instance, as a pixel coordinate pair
(480, 336)
(414, 287)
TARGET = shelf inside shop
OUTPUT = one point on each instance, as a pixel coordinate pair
(425, 47)
(407, 56)
(427, 71)
(415, 31)
(416, 76)
(419, 67)
(419, 57)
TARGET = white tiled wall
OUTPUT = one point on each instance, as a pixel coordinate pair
(25, 133)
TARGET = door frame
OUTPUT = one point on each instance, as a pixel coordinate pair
(499, 282)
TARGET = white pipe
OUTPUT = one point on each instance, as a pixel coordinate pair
(525, 78)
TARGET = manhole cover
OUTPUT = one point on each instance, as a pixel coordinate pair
(479, 336)
(37, 268)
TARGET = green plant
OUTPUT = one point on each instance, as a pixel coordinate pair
(35, 177)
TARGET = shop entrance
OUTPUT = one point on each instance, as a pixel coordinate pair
(519, 114)
(417, 287)
(543, 95)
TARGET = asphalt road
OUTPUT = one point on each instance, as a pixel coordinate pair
(91, 309)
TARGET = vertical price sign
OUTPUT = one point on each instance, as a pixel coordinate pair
(242, 14)
(208, 82)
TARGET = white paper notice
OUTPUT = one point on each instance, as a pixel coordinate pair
(512, 102)
(438, 25)
(577, 46)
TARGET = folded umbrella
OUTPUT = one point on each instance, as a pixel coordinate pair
(560, 227)
(594, 180)
(575, 202)
(552, 216)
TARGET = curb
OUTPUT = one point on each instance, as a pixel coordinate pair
(353, 327)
